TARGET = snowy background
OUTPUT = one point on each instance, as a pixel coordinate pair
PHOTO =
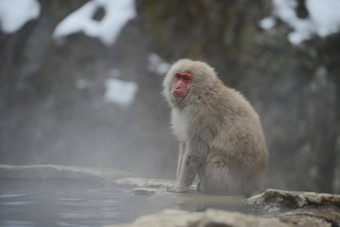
(80, 81)
(323, 18)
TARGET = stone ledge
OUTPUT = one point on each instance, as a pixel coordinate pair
(273, 200)
(144, 182)
(211, 217)
(60, 172)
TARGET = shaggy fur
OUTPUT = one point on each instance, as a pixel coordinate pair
(220, 135)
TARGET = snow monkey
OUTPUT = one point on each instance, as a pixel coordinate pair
(220, 134)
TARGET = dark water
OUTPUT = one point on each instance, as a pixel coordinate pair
(68, 203)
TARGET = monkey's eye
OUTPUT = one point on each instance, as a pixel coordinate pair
(178, 76)
(186, 78)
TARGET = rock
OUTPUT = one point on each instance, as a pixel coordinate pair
(144, 191)
(132, 181)
(118, 177)
(61, 172)
(144, 182)
(160, 183)
(274, 200)
(208, 218)
(317, 216)
(301, 208)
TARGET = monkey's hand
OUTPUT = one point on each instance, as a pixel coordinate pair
(178, 189)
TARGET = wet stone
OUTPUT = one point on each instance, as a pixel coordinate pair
(144, 191)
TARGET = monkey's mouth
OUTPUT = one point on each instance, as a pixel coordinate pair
(178, 94)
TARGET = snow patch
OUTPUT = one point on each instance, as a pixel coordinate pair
(267, 23)
(120, 92)
(323, 20)
(117, 14)
(157, 65)
(325, 15)
(16, 13)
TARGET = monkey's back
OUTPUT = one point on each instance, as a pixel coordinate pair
(240, 125)
(238, 143)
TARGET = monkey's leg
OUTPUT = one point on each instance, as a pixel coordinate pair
(216, 179)
(216, 176)
(180, 158)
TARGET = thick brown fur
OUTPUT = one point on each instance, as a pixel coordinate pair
(220, 134)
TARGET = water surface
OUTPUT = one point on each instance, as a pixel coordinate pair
(69, 203)
(92, 203)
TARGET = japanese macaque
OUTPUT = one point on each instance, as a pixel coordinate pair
(220, 134)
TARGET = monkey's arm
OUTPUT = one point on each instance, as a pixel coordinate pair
(180, 158)
(193, 157)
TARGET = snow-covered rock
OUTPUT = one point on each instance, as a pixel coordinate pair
(323, 19)
(120, 92)
(117, 14)
(16, 13)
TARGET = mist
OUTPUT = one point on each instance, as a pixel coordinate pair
(80, 83)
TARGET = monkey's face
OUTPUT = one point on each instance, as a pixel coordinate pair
(185, 80)
(181, 84)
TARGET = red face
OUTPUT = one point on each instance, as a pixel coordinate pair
(181, 82)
